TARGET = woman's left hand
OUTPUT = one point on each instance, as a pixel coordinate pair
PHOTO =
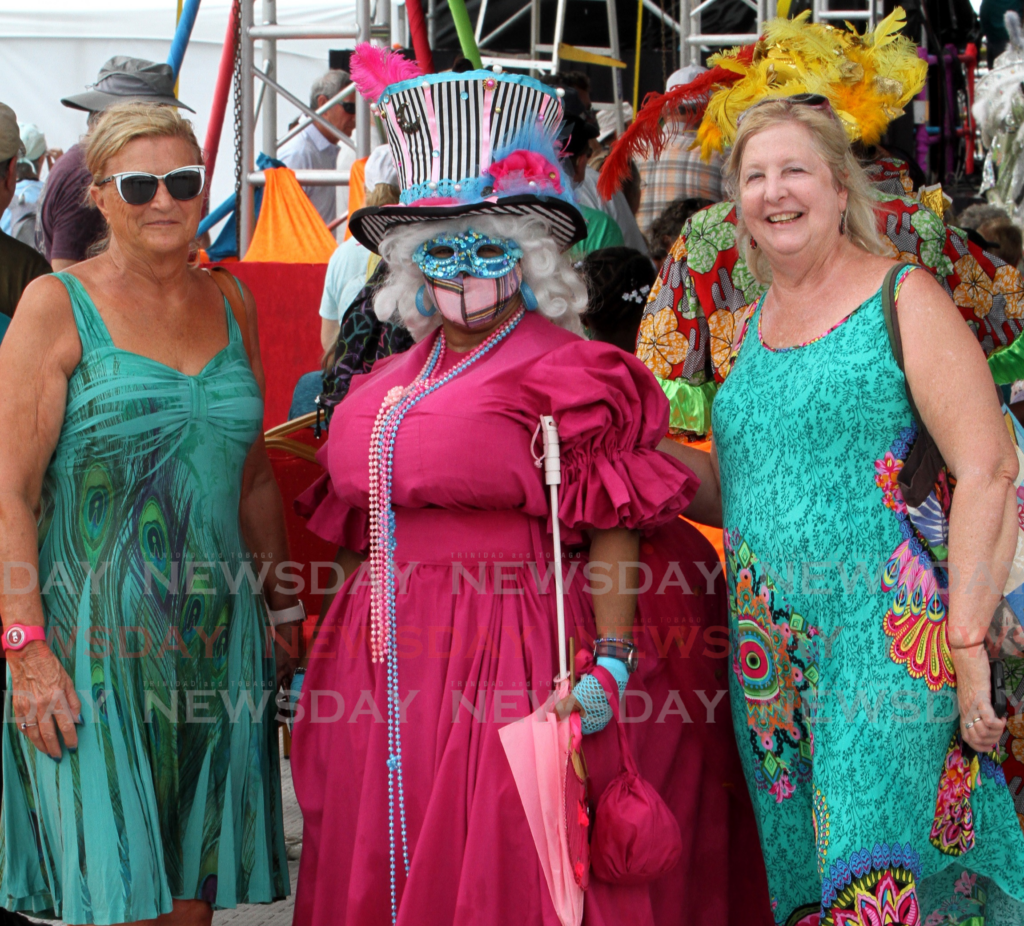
(567, 706)
(979, 726)
(287, 651)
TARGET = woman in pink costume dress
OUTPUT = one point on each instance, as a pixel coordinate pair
(431, 477)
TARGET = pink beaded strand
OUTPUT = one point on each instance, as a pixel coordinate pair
(396, 403)
(383, 617)
(380, 566)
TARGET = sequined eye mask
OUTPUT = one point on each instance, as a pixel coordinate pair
(484, 256)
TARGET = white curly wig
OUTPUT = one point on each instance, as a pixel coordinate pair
(561, 293)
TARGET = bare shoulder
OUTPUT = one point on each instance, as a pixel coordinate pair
(935, 337)
(44, 325)
(921, 287)
(926, 310)
(45, 294)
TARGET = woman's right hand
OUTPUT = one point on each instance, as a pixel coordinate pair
(979, 726)
(43, 698)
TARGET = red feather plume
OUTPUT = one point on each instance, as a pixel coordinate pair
(644, 138)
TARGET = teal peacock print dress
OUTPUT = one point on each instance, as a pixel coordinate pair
(174, 790)
(843, 688)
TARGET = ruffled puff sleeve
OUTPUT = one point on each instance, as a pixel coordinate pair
(611, 415)
(329, 517)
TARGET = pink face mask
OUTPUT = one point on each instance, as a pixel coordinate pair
(474, 301)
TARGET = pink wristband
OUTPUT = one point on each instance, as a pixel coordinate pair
(18, 636)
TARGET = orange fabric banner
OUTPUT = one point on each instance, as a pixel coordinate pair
(289, 229)
(356, 189)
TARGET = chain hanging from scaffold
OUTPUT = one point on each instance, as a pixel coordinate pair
(677, 51)
(237, 90)
(664, 46)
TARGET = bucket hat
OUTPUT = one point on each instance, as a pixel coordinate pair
(122, 79)
(10, 135)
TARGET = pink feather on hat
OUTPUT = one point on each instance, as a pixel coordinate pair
(517, 170)
(372, 69)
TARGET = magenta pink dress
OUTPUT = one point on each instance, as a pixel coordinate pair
(477, 642)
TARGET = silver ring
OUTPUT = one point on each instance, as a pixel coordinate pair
(25, 725)
(967, 726)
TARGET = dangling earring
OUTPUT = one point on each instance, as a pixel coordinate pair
(421, 305)
(842, 223)
(753, 245)
(529, 299)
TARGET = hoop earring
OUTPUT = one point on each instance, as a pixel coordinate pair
(421, 305)
(842, 223)
(529, 299)
(753, 245)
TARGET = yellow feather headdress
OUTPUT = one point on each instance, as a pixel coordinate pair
(868, 79)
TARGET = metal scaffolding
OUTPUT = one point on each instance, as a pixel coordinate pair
(692, 40)
(557, 49)
(822, 13)
(269, 32)
(391, 27)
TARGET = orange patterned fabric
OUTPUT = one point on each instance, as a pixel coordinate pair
(697, 310)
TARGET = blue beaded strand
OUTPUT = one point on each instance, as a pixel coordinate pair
(385, 451)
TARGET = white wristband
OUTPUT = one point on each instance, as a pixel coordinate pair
(287, 615)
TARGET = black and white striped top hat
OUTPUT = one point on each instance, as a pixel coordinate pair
(473, 143)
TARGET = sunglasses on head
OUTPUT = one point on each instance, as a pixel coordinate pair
(137, 188)
(813, 100)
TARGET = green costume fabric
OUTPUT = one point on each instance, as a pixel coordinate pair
(842, 684)
(174, 790)
(689, 407)
(1007, 363)
(602, 232)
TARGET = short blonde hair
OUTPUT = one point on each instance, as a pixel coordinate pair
(123, 123)
(831, 144)
(383, 194)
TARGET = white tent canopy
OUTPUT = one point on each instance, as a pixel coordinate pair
(54, 48)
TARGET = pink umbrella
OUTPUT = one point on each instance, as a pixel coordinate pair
(540, 749)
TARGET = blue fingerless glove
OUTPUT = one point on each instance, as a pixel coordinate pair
(295, 690)
(592, 697)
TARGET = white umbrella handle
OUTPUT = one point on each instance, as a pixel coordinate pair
(553, 478)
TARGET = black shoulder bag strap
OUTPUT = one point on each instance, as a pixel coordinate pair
(924, 462)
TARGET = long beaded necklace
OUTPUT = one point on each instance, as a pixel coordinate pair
(383, 611)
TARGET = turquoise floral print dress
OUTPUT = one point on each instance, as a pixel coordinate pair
(843, 687)
(174, 790)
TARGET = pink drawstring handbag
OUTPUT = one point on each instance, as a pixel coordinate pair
(636, 837)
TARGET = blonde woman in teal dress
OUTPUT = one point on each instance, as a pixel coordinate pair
(140, 768)
(851, 707)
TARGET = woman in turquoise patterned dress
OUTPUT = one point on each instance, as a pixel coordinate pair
(858, 681)
(141, 777)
